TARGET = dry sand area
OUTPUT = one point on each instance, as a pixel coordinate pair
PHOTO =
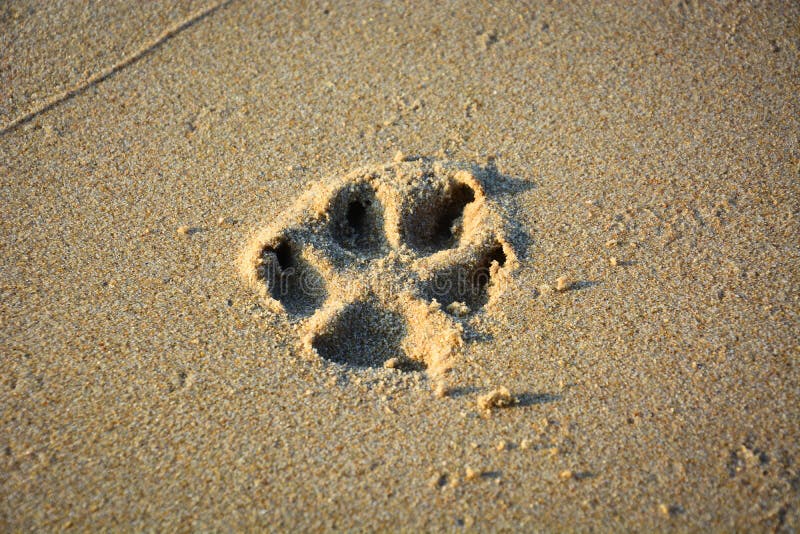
(233, 236)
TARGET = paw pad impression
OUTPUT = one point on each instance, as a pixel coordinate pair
(386, 264)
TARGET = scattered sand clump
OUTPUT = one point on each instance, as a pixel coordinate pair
(564, 283)
(498, 398)
(472, 474)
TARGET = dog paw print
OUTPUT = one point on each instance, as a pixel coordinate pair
(387, 265)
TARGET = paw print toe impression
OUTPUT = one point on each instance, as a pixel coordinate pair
(289, 279)
(357, 222)
(385, 266)
(434, 220)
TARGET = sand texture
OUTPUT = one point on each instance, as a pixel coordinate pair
(52, 49)
(234, 236)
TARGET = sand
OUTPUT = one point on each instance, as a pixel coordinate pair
(640, 164)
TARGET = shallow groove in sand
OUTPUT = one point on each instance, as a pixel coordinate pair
(98, 77)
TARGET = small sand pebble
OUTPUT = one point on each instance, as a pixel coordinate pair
(472, 474)
(565, 474)
(498, 398)
(184, 230)
(487, 39)
(458, 308)
(525, 444)
(502, 445)
(563, 283)
(440, 391)
(399, 156)
(611, 243)
(392, 363)
(613, 261)
(225, 221)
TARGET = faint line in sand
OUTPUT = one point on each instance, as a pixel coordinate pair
(130, 59)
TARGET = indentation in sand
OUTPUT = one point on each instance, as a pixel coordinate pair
(363, 334)
(357, 220)
(385, 266)
(292, 281)
(434, 214)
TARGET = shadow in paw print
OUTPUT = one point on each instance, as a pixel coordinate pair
(365, 335)
(465, 284)
(437, 225)
(296, 284)
(357, 221)
(506, 188)
(500, 185)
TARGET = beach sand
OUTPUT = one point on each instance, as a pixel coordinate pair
(632, 364)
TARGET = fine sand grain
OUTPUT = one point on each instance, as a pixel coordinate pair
(400, 267)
